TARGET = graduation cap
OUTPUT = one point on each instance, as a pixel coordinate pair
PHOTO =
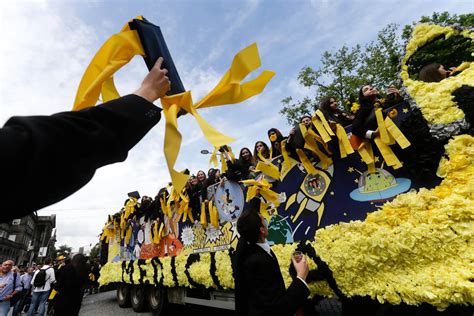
(134, 194)
(154, 46)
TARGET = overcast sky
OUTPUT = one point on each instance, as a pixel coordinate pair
(47, 45)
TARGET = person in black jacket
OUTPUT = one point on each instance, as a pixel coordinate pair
(70, 286)
(259, 285)
(44, 159)
(365, 122)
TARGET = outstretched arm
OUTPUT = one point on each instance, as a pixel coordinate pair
(44, 159)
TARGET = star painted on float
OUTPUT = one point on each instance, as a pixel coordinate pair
(350, 169)
(356, 180)
(332, 193)
(405, 110)
(376, 159)
(279, 160)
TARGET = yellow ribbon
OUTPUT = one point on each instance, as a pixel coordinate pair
(381, 125)
(306, 162)
(107, 232)
(267, 167)
(345, 147)
(325, 123)
(213, 215)
(288, 162)
(367, 155)
(310, 143)
(213, 159)
(387, 153)
(229, 90)
(128, 235)
(203, 218)
(119, 49)
(316, 137)
(396, 133)
(263, 187)
(130, 207)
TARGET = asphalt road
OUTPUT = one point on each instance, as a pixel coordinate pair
(105, 304)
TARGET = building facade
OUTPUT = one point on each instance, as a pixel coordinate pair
(22, 239)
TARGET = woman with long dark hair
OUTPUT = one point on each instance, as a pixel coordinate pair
(70, 286)
(333, 114)
(246, 163)
(261, 147)
(365, 123)
(434, 72)
(276, 138)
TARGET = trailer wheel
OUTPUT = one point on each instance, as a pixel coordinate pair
(157, 300)
(123, 295)
(138, 299)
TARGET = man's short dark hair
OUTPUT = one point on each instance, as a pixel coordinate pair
(248, 225)
(47, 261)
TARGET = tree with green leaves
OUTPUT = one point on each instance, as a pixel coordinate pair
(94, 254)
(64, 250)
(344, 71)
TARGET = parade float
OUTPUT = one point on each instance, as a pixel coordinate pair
(391, 220)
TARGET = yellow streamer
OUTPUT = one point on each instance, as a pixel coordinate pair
(213, 159)
(316, 137)
(119, 49)
(306, 162)
(345, 147)
(382, 129)
(320, 128)
(228, 91)
(367, 154)
(395, 132)
(262, 187)
(387, 154)
(324, 122)
(203, 218)
(288, 162)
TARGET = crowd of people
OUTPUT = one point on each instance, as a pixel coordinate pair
(244, 165)
(53, 287)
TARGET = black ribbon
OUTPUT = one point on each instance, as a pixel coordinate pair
(194, 257)
(213, 271)
(127, 270)
(140, 263)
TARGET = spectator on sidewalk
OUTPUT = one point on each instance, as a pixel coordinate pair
(9, 286)
(25, 280)
(41, 282)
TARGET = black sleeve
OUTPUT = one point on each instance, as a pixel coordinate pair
(44, 159)
(262, 283)
(359, 125)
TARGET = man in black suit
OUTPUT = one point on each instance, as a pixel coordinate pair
(259, 285)
(44, 159)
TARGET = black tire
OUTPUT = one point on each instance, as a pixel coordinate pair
(123, 295)
(157, 301)
(138, 298)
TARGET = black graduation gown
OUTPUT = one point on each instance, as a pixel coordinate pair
(260, 289)
(70, 287)
(364, 120)
(44, 159)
